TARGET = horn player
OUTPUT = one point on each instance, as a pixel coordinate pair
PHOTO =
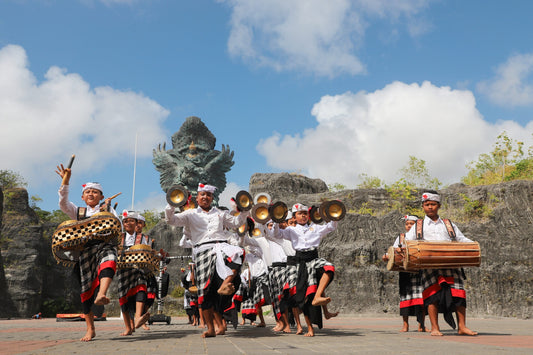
(205, 227)
(310, 289)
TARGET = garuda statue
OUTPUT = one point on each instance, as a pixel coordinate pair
(193, 159)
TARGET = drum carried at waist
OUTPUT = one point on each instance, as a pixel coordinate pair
(71, 236)
(139, 256)
(395, 262)
(440, 255)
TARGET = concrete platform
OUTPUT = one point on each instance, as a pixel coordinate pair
(341, 335)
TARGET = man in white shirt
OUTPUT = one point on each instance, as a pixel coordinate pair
(443, 288)
(215, 259)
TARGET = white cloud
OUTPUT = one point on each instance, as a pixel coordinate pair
(512, 84)
(43, 123)
(313, 36)
(375, 133)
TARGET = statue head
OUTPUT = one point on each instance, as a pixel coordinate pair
(193, 138)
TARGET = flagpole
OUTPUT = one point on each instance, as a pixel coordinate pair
(134, 173)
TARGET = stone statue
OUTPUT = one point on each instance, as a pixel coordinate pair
(193, 159)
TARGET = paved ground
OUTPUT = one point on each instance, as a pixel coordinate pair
(341, 335)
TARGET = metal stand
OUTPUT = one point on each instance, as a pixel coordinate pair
(160, 316)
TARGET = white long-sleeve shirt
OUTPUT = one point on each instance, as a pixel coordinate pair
(205, 226)
(71, 209)
(305, 237)
(436, 231)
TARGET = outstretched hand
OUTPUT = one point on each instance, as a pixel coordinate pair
(64, 173)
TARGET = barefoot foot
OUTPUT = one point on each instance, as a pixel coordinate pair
(101, 300)
(144, 318)
(329, 315)
(321, 301)
(127, 332)
(310, 333)
(89, 335)
(466, 331)
(226, 289)
(299, 330)
(209, 334)
(436, 333)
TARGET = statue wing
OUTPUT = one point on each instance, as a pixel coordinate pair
(165, 164)
(219, 164)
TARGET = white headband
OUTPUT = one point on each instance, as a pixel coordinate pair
(427, 196)
(410, 218)
(207, 188)
(298, 207)
(129, 214)
(92, 185)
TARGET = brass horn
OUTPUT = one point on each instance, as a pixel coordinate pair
(260, 213)
(278, 211)
(177, 196)
(262, 197)
(242, 230)
(335, 210)
(314, 215)
(257, 231)
(244, 200)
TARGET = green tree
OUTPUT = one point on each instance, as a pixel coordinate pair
(416, 174)
(370, 182)
(10, 179)
(336, 187)
(506, 162)
(152, 218)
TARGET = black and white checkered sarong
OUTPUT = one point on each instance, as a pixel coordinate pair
(278, 279)
(130, 282)
(93, 259)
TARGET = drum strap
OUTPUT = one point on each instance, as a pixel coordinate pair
(419, 229)
(447, 224)
(402, 239)
(81, 213)
(449, 228)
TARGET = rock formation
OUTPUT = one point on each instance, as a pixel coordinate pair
(498, 216)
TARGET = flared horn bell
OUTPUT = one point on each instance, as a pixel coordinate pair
(322, 211)
(177, 196)
(314, 215)
(335, 210)
(241, 231)
(190, 205)
(257, 231)
(244, 200)
(260, 213)
(262, 197)
(278, 212)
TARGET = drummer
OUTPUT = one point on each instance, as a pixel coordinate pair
(217, 262)
(151, 280)
(98, 260)
(411, 301)
(132, 282)
(449, 294)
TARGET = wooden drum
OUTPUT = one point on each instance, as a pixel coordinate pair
(139, 256)
(440, 255)
(71, 236)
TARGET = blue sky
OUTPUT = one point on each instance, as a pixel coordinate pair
(329, 89)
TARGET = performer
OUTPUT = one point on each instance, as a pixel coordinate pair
(217, 262)
(151, 286)
(411, 301)
(314, 273)
(443, 288)
(97, 260)
(278, 280)
(132, 282)
(259, 286)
